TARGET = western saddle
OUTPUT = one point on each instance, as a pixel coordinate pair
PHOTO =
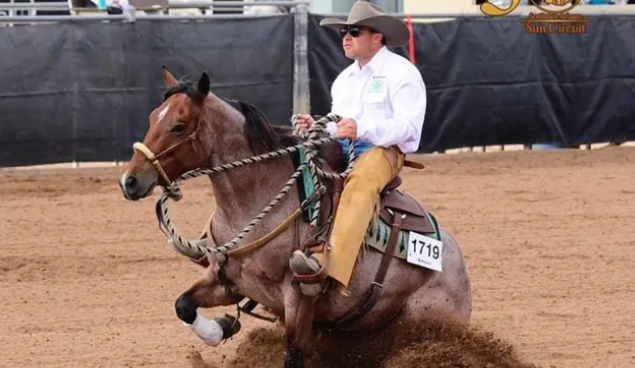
(413, 215)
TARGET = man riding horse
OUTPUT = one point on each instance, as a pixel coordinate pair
(382, 99)
(379, 104)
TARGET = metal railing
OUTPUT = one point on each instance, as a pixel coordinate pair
(172, 4)
(34, 6)
(126, 16)
(522, 10)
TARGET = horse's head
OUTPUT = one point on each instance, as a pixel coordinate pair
(194, 128)
(174, 142)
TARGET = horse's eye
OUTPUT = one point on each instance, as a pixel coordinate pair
(178, 129)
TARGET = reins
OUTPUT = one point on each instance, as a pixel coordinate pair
(140, 147)
(310, 143)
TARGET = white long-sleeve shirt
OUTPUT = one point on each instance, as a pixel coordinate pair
(387, 99)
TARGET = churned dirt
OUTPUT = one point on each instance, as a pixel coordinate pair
(86, 278)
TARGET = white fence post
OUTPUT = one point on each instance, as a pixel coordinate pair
(300, 60)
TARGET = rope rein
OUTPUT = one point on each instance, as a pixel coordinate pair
(310, 142)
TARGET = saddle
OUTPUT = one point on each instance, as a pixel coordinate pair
(396, 208)
(393, 202)
(414, 216)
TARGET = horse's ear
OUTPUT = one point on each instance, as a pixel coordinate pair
(168, 78)
(203, 84)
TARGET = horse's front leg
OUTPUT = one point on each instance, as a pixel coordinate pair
(207, 293)
(299, 311)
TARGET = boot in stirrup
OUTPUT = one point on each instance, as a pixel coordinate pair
(308, 271)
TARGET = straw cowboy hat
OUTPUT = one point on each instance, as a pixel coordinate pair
(370, 15)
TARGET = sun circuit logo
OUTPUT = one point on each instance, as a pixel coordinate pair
(554, 18)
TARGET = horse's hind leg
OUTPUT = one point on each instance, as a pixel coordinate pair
(447, 295)
(207, 293)
(436, 302)
(299, 311)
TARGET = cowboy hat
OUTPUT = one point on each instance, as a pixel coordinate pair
(395, 31)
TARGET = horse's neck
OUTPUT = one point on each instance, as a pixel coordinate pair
(242, 193)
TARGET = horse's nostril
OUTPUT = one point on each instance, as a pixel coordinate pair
(131, 183)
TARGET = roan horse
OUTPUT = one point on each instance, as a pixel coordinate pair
(195, 129)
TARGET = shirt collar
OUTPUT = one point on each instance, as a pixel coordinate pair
(374, 64)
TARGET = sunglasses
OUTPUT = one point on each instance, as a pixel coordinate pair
(354, 31)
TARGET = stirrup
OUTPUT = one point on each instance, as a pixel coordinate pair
(317, 277)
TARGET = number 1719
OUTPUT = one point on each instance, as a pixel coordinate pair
(432, 250)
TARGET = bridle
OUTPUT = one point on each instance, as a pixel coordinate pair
(170, 185)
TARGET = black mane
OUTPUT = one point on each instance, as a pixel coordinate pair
(261, 135)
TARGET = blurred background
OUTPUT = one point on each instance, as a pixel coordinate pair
(81, 76)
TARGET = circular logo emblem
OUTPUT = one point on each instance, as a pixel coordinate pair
(566, 5)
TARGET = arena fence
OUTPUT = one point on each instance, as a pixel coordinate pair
(80, 88)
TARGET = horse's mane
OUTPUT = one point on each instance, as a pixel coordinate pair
(262, 136)
(260, 133)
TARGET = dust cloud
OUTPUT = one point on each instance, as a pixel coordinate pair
(432, 344)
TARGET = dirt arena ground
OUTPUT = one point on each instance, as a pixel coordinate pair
(86, 279)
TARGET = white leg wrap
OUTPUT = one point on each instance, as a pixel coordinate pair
(209, 331)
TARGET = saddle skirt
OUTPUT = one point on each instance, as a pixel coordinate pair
(415, 218)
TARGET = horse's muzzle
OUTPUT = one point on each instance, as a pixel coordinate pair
(135, 187)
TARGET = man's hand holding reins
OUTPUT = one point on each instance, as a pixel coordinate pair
(304, 122)
(347, 128)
